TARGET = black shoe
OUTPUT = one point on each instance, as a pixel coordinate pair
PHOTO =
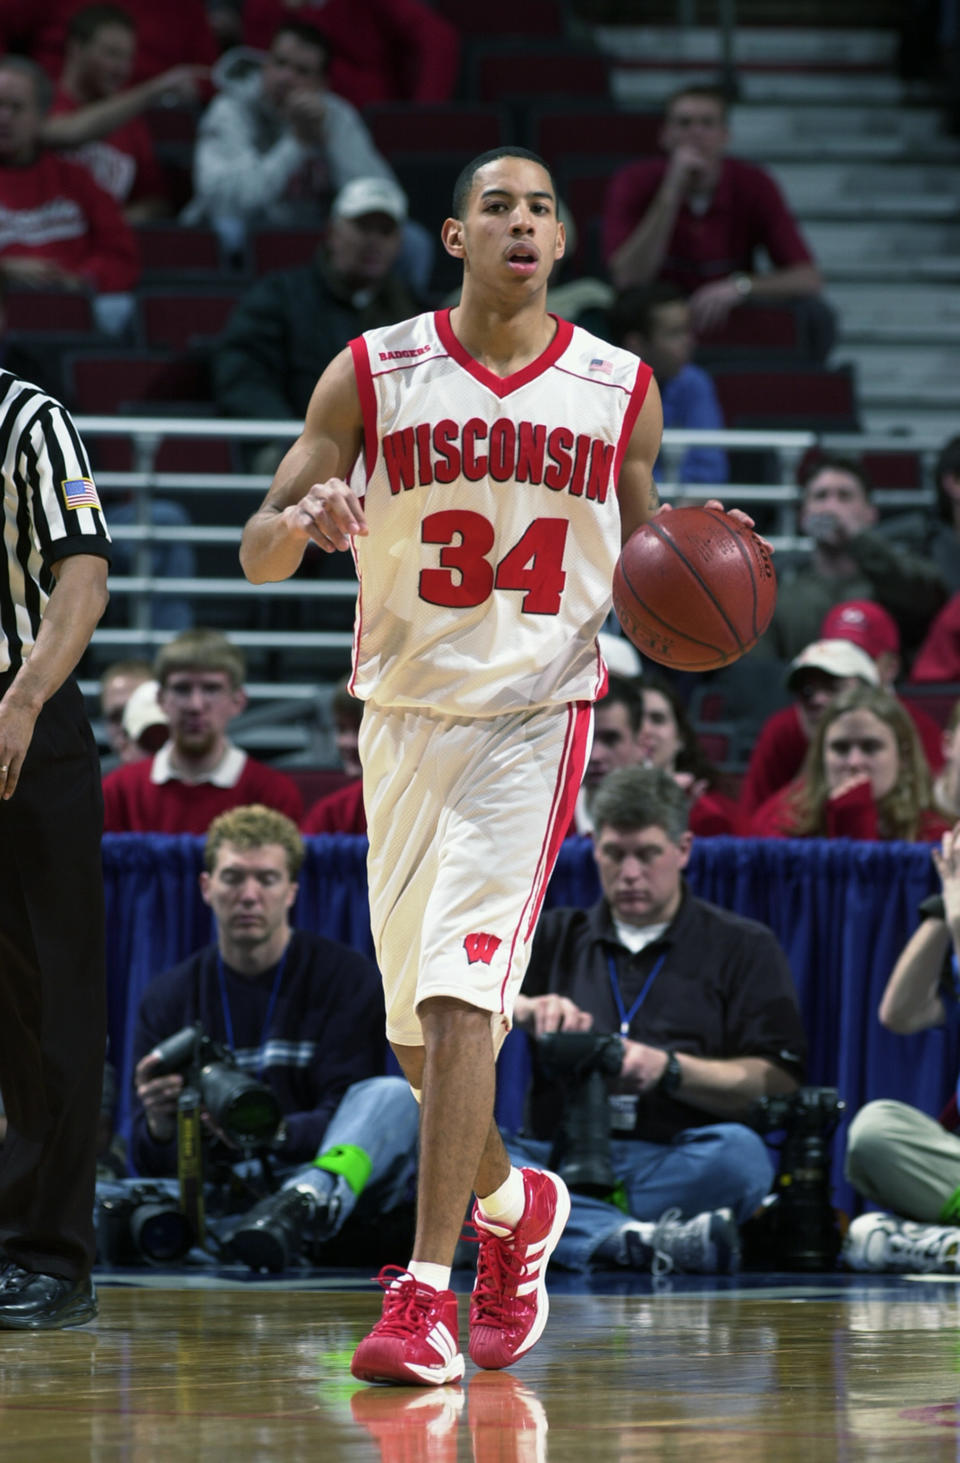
(275, 1231)
(34, 1302)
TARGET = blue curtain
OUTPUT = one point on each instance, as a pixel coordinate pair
(841, 910)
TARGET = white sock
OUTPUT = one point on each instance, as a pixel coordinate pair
(504, 1207)
(436, 1275)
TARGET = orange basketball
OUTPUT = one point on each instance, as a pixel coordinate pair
(694, 589)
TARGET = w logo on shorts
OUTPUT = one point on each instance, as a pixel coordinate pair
(481, 947)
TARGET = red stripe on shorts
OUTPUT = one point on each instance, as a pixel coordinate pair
(570, 772)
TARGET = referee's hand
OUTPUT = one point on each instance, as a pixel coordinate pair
(16, 733)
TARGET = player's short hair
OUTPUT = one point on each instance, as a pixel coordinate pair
(463, 187)
(84, 24)
(948, 465)
(200, 650)
(835, 463)
(707, 91)
(42, 85)
(631, 798)
(253, 826)
(634, 309)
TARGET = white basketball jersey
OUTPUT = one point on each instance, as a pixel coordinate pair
(493, 519)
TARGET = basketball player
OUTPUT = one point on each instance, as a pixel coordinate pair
(484, 464)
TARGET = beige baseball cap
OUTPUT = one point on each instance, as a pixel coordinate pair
(836, 658)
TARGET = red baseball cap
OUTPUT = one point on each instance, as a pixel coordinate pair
(867, 624)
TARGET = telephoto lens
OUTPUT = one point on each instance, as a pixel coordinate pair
(583, 1062)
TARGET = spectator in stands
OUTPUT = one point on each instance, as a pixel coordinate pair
(617, 717)
(708, 1018)
(860, 644)
(117, 683)
(935, 537)
(666, 739)
(342, 811)
(277, 143)
(145, 723)
(198, 773)
(290, 324)
(58, 228)
(305, 1014)
(850, 561)
(167, 35)
(96, 108)
(698, 218)
(898, 1157)
(381, 50)
(946, 785)
(864, 776)
(938, 658)
(655, 322)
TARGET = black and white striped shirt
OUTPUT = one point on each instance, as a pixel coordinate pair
(49, 509)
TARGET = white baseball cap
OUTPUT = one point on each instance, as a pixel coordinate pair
(143, 710)
(370, 195)
(620, 656)
(835, 658)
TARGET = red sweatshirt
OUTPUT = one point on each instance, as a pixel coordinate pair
(167, 34)
(53, 209)
(124, 162)
(852, 816)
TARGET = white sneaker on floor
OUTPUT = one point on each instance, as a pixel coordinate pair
(879, 1241)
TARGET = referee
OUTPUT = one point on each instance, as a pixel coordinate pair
(54, 555)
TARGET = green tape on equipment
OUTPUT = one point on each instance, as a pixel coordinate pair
(355, 1165)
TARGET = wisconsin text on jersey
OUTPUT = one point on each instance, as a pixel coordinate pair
(503, 450)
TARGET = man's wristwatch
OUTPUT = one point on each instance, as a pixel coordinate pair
(671, 1076)
(743, 284)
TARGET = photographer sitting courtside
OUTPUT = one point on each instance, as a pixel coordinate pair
(689, 1012)
(303, 1015)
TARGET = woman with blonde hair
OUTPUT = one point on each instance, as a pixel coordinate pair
(865, 776)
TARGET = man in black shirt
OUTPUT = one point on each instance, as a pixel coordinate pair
(706, 1012)
(54, 554)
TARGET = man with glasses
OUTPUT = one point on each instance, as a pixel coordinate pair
(198, 773)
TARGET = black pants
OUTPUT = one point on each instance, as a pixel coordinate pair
(52, 993)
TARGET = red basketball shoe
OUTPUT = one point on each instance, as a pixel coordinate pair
(509, 1305)
(417, 1338)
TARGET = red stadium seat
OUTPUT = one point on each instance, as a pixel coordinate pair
(814, 399)
(173, 250)
(175, 454)
(173, 319)
(504, 17)
(756, 327)
(466, 129)
(893, 469)
(172, 125)
(103, 382)
(520, 74)
(57, 311)
(283, 248)
(560, 133)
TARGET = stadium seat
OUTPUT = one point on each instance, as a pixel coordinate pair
(503, 18)
(175, 454)
(517, 74)
(814, 399)
(894, 469)
(103, 382)
(172, 126)
(752, 330)
(283, 248)
(172, 250)
(173, 319)
(59, 312)
(558, 133)
(462, 128)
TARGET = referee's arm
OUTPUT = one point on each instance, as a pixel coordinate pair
(70, 617)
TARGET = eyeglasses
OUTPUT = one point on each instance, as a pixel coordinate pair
(209, 690)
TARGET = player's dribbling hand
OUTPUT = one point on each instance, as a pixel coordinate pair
(737, 513)
(329, 514)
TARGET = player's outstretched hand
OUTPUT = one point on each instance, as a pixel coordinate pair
(329, 514)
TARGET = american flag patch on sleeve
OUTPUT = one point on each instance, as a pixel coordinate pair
(598, 364)
(80, 493)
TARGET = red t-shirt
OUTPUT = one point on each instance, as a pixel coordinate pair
(123, 162)
(54, 210)
(852, 816)
(938, 658)
(746, 213)
(780, 748)
(167, 34)
(341, 811)
(380, 50)
(134, 804)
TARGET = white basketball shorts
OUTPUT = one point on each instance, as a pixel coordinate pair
(465, 817)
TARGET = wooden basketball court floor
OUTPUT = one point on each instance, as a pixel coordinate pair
(224, 1366)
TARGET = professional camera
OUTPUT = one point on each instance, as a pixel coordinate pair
(799, 1227)
(583, 1061)
(142, 1224)
(245, 1109)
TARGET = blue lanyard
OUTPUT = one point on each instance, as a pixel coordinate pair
(267, 1020)
(627, 1016)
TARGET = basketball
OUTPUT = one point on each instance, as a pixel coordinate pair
(694, 589)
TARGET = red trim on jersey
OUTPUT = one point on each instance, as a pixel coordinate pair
(368, 402)
(637, 397)
(357, 623)
(573, 762)
(503, 385)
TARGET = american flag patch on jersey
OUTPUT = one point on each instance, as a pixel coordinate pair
(598, 365)
(80, 493)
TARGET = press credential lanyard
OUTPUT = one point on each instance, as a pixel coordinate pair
(267, 1020)
(627, 1016)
